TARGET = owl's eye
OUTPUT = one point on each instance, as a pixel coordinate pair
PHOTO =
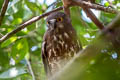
(48, 22)
(60, 19)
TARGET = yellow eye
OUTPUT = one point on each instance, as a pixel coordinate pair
(59, 19)
(47, 22)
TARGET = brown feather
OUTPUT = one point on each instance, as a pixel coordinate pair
(59, 45)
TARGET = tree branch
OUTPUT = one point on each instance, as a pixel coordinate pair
(22, 26)
(3, 10)
(34, 19)
(91, 15)
(86, 7)
(94, 6)
(66, 5)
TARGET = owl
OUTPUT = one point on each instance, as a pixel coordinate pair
(60, 43)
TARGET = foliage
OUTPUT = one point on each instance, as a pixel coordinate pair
(26, 44)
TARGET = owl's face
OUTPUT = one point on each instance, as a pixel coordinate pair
(57, 20)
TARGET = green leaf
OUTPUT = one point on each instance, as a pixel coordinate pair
(32, 6)
(8, 42)
(109, 15)
(12, 72)
(19, 49)
(4, 59)
(17, 21)
(76, 20)
(1, 2)
(6, 26)
(106, 4)
(12, 8)
(31, 27)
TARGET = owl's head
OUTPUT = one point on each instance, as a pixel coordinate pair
(57, 20)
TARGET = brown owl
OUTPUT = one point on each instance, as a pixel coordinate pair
(60, 42)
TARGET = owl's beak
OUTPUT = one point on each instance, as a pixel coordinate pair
(52, 23)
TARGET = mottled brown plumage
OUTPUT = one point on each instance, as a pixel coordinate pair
(60, 42)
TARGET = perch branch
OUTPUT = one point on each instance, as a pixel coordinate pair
(25, 24)
(34, 19)
(3, 10)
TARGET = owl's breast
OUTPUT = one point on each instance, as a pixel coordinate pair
(61, 48)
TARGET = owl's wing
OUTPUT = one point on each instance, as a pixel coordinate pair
(45, 59)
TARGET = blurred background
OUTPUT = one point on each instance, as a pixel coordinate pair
(20, 56)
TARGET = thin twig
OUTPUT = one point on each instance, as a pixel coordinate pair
(53, 4)
(3, 10)
(30, 69)
(25, 24)
(1, 35)
(94, 6)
